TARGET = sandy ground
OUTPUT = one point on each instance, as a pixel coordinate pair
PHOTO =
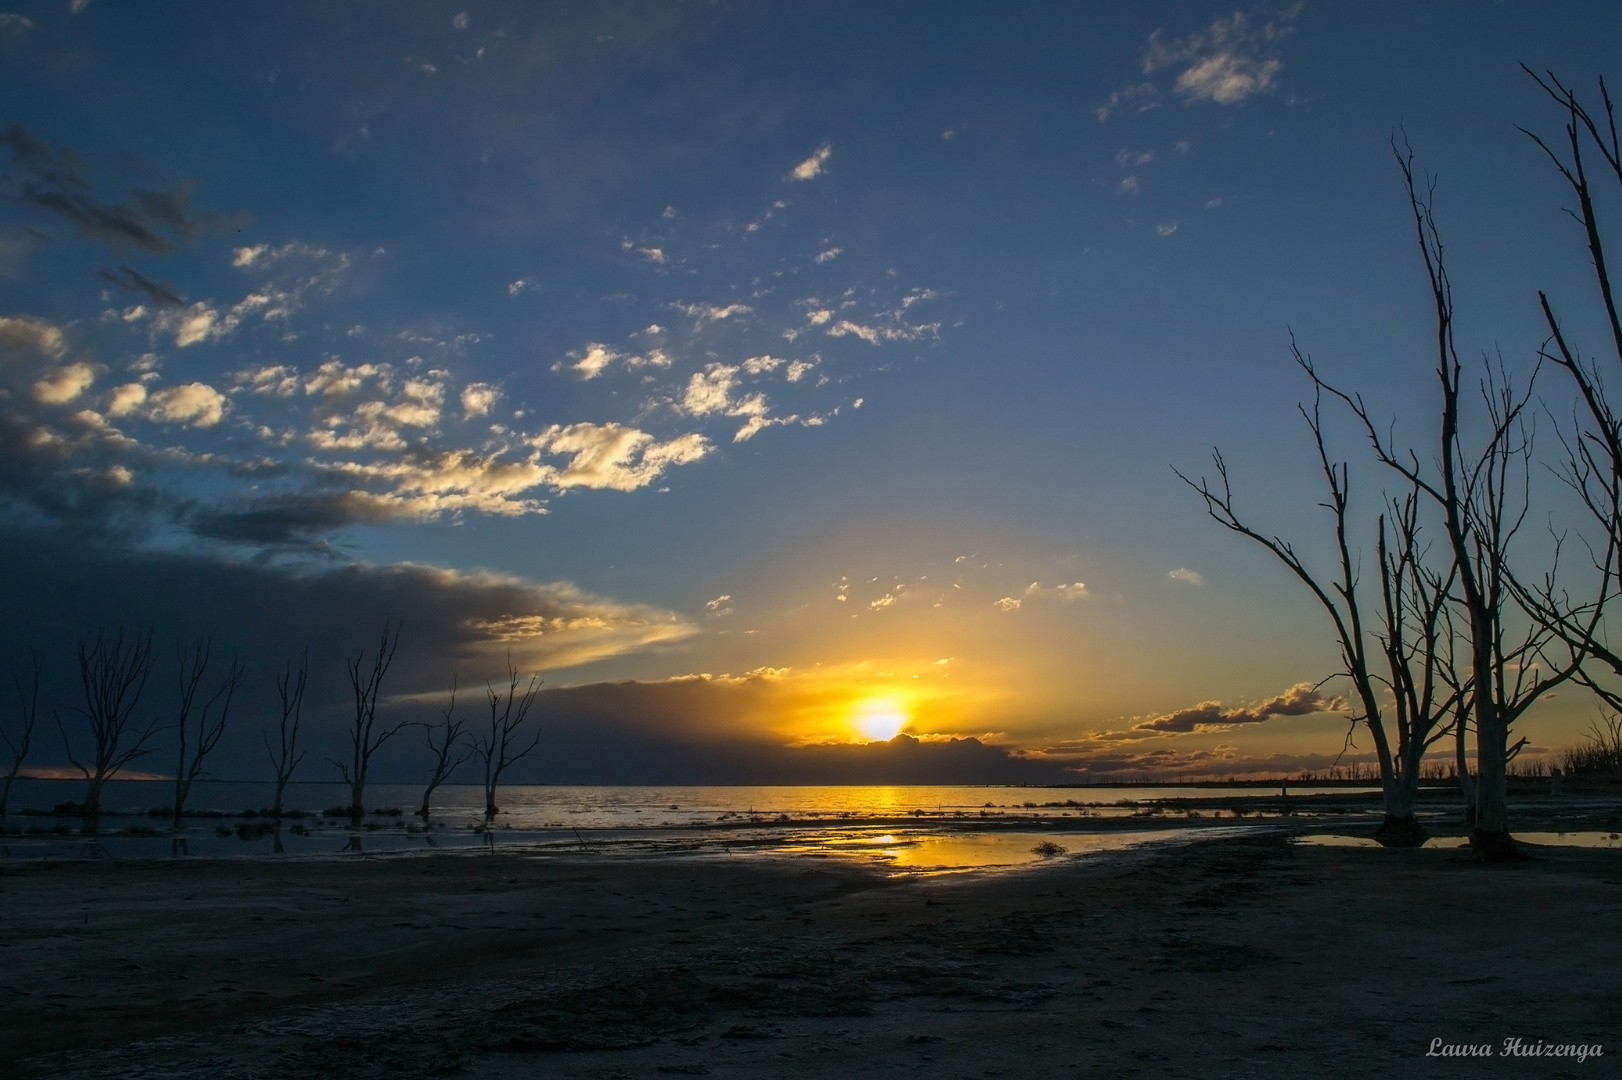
(1237, 957)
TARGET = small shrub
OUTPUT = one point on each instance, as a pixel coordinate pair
(1047, 849)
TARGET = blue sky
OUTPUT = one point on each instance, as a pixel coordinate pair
(845, 345)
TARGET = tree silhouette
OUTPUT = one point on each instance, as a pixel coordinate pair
(365, 736)
(28, 713)
(285, 755)
(503, 744)
(211, 715)
(112, 675)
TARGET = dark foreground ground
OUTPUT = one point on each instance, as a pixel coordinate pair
(1238, 957)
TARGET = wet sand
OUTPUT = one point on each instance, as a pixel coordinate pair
(1246, 956)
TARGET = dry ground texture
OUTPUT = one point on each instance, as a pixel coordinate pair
(1236, 957)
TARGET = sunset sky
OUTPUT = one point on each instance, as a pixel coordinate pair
(767, 376)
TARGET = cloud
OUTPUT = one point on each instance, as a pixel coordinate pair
(701, 314)
(13, 25)
(1227, 63)
(827, 256)
(594, 359)
(719, 607)
(61, 385)
(522, 285)
(54, 181)
(1184, 574)
(133, 281)
(1007, 603)
(1126, 159)
(812, 167)
(615, 458)
(1166, 228)
(467, 619)
(193, 404)
(1128, 185)
(1143, 96)
(1074, 591)
(1302, 699)
(478, 399)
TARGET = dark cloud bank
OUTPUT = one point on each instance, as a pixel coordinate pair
(58, 590)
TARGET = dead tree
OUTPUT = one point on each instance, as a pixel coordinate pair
(365, 737)
(1482, 500)
(1593, 439)
(112, 675)
(504, 743)
(28, 712)
(211, 718)
(1401, 642)
(450, 738)
(285, 755)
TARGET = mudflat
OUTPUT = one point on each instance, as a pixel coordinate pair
(1240, 956)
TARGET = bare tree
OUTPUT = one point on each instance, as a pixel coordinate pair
(112, 674)
(450, 738)
(28, 712)
(504, 744)
(211, 718)
(1593, 440)
(1409, 629)
(1482, 499)
(365, 737)
(285, 755)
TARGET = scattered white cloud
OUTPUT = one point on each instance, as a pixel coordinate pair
(1141, 98)
(192, 404)
(1127, 159)
(812, 167)
(594, 359)
(701, 314)
(827, 256)
(1212, 204)
(1231, 61)
(1227, 63)
(1007, 603)
(1128, 185)
(1187, 576)
(719, 606)
(613, 457)
(1165, 228)
(459, 20)
(521, 286)
(1073, 591)
(61, 385)
(478, 399)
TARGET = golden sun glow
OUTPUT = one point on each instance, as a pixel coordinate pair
(879, 719)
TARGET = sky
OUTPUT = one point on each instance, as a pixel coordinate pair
(769, 378)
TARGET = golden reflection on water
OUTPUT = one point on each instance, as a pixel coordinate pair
(940, 852)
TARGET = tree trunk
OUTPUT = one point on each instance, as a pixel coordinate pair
(1467, 787)
(1400, 828)
(1490, 838)
(92, 796)
(281, 787)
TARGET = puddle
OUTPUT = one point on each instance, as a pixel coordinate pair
(939, 853)
(1571, 839)
(1543, 839)
(1333, 840)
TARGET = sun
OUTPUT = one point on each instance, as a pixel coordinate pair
(879, 719)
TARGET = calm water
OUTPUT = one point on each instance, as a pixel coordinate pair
(538, 807)
(912, 828)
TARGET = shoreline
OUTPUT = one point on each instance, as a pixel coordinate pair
(1246, 950)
